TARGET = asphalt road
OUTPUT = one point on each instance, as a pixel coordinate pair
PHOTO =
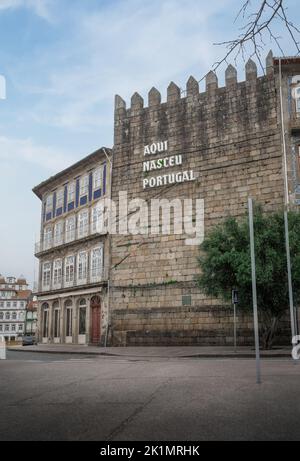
(73, 397)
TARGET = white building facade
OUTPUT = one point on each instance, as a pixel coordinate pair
(31, 317)
(73, 253)
(14, 296)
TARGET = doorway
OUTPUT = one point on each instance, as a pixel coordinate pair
(82, 322)
(96, 320)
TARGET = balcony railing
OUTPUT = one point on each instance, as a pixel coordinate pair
(73, 280)
(67, 237)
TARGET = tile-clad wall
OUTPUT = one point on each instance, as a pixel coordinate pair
(79, 201)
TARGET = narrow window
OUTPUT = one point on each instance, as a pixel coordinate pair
(69, 322)
(69, 270)
(96, 263)
(47, 237)
(84, 185)
(59, 198)
(57, 272)
(83, 223)
(58, 233)
(71, 192)
(82, 317)
(70, 229)
(45, 319)
(46, 274)
(49, 203)
(82, 267)
(97, 223)
(97, 178)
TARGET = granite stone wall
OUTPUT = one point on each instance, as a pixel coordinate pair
(230, 138)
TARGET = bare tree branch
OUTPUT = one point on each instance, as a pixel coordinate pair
(258, 25)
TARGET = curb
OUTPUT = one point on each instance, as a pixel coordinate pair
(241, 355)
(63, 352)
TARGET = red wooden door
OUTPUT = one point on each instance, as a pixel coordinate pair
(96, 320)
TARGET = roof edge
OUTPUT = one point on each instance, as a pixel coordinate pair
(37, 190)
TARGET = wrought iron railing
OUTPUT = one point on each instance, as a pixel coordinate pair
(74, 279)
(67, 237)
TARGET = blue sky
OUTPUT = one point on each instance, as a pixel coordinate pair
(64, 60)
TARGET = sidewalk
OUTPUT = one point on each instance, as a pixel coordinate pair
(163, 352)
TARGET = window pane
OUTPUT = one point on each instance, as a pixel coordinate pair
(82, 316)
(58, 233)
(84, 183)
(71, 192)
(69, 269)
(57, 272)
(59, 198)
(69, 323)
(49, 202)
(56, 323)
(83, 221)
(46, 274)
(45, 327)
(96, 218)
(96, 262)
(97, 178)
(70, 229)
(82, 266)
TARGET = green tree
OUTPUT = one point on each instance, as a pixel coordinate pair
(225, 264)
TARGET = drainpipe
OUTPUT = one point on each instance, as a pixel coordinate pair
(110, 160)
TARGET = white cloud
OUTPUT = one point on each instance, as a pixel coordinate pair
(16, 150)
(39, 7)
(7, 4)
(123, 48)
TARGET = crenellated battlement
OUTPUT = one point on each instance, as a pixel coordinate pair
(192, 91)
(213, 142)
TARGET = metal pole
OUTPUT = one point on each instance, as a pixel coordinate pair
(254, 295)
(234, 323)
(288, 260)
(286, 202)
